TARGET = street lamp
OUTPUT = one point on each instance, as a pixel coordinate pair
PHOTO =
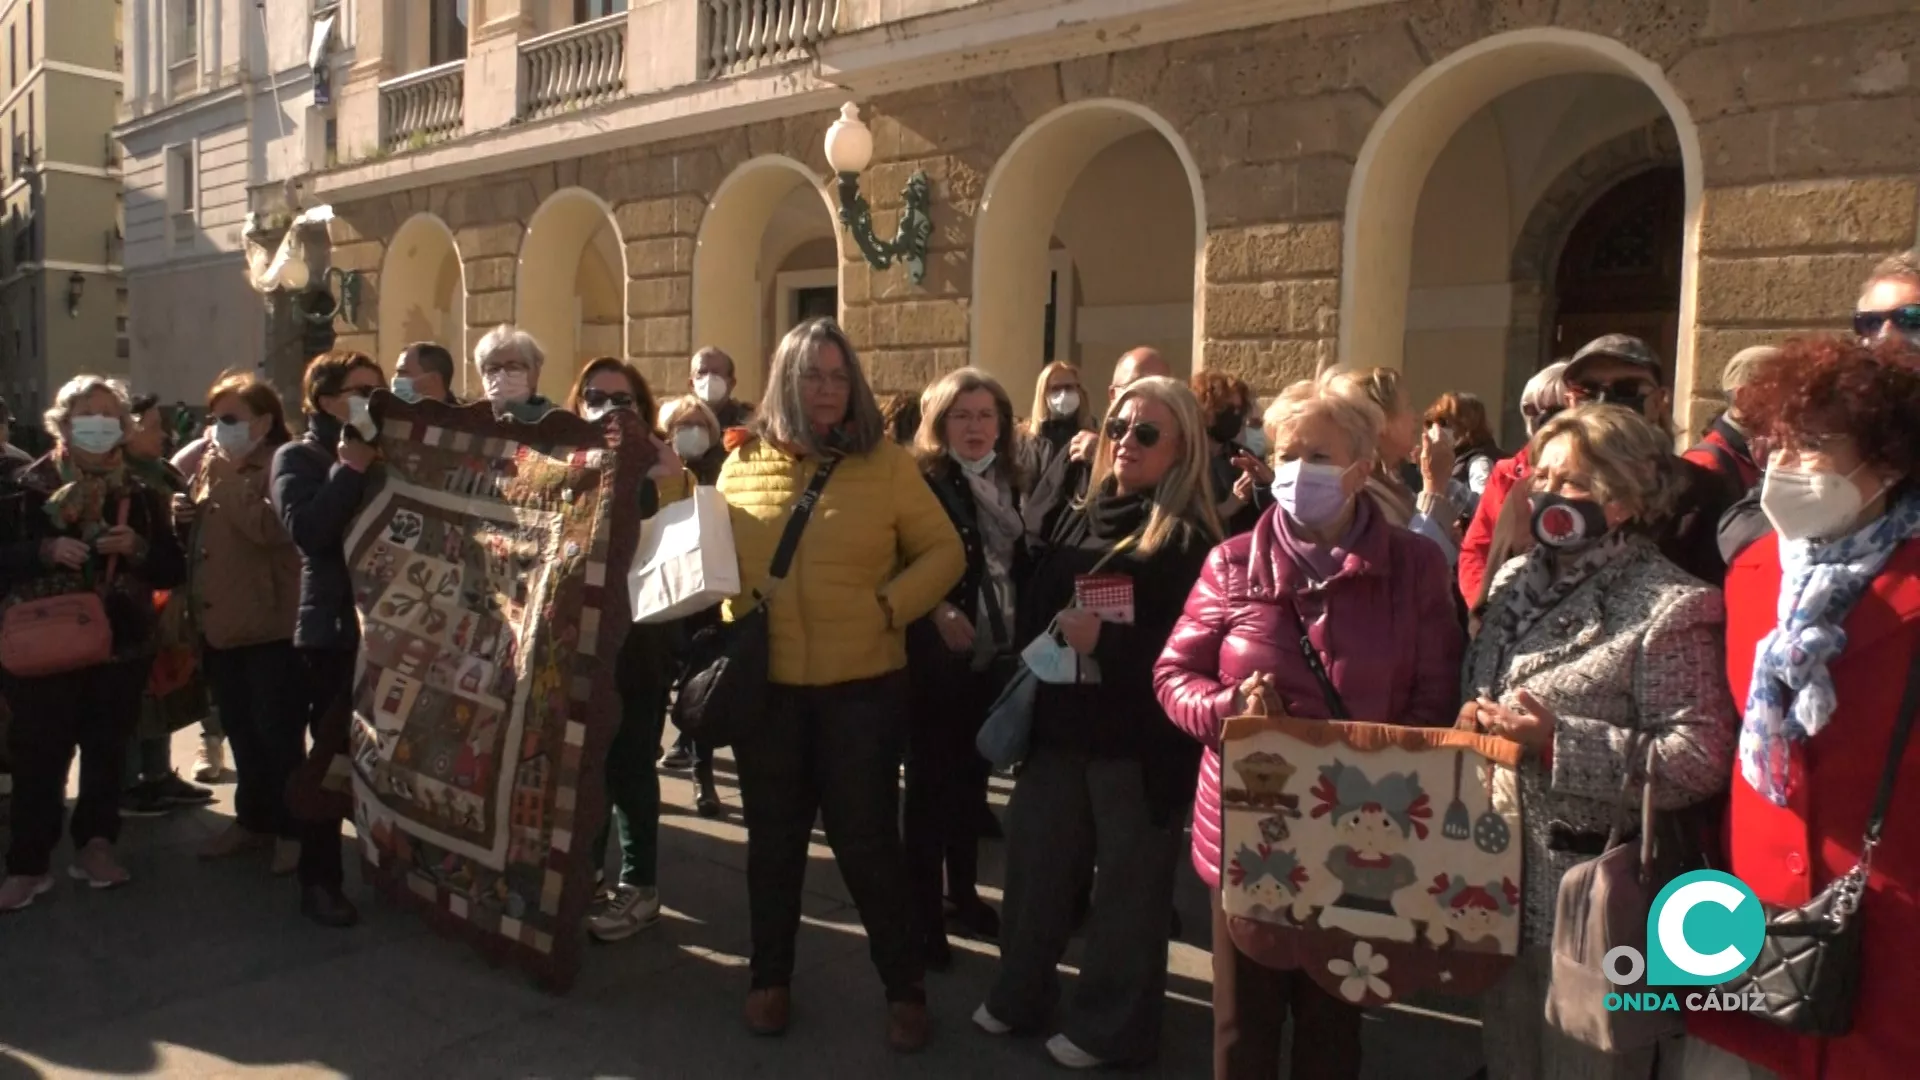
(76, 288)
(849, 150)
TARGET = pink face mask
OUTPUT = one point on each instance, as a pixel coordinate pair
(1310, 493)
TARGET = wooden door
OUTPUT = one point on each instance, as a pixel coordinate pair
(1620, 270)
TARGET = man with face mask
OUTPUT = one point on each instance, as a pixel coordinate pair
(424, 372)
(508, 361)
(712, 381)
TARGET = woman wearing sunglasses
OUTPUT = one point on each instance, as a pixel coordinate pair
(1374, 601)
(1107, 780)
(607, 385)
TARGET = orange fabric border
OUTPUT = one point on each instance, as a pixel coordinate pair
(1367, 737)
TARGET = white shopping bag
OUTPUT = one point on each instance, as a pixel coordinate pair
(686, 561)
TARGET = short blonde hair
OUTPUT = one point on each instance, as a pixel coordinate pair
(1382, 385)
(1186, 492)
(1083, 416)
(1745, 365)
(682, 411)
(930, 442)
(1332, 398)
(78, 389)
(1629, 462)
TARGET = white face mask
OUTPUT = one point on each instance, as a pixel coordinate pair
(712, 389)
(1803, 504)
(508, 387)
(235, 440)
(692, 443)
(977, 468)
(1063, 403)
(97, 434)
(404, 390)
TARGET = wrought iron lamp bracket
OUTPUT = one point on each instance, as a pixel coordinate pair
(909, 244)
(344, 286)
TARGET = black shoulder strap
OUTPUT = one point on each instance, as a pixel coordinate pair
(1902, 727)
(1335, 703)
(797, 521)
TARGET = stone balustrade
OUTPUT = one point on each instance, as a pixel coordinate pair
(424, 107)
(741, 35)
(575, 68)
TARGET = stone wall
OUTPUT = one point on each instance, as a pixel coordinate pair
(1807, 118)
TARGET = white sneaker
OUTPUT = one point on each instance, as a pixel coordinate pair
(629, 910)
(1070, 1056)
(210, 763)
(990, 1023)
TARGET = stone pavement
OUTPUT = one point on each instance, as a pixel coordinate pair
(207, 970)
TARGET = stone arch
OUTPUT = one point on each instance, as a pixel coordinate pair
(570, 285)
(1536, 253)
(1417, 125)
(729, 283)
(1014, 227)
(422, 290)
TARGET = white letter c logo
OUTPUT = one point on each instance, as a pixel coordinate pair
(1672, 928)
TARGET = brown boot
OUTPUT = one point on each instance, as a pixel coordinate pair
(767, 1010)
(907, 1026)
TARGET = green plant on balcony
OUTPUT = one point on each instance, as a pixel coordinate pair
(417, 141)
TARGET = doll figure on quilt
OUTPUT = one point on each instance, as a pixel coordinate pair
(1375, 821)
(1478, 918)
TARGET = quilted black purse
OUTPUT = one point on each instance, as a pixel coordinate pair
(1808, 970)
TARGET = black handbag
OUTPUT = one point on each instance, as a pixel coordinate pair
(1808, 969)
(727, 663)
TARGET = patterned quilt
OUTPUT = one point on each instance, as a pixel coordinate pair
(488, 566)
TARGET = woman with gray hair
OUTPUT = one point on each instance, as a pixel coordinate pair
(509, 361)
(1594, 648)
(76, 522)
(878, 554)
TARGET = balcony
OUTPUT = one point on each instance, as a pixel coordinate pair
(575, 68)
(423, 108)
(741, 35)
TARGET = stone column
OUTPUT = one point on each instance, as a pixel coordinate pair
(380, 26)
(663, 45)
(493, 61)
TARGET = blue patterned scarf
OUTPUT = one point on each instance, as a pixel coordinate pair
(1791, 699)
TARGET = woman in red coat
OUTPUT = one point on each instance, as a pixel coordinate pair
(1823, 620)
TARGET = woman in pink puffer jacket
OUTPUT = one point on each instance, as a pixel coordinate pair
(1375, 604)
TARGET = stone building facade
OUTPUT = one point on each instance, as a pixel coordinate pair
(1403, 183)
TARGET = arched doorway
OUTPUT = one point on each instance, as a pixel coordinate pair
(1445, 188)
(1054, 278)
(767, 258)
(571, 286)
(1620, 270)
(422, 290)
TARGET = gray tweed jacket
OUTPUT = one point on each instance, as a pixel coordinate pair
(1639, 645)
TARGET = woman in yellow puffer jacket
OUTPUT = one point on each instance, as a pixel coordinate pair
(878, 553)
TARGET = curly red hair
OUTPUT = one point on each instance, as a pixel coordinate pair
(1839, 386)
(1218, 390)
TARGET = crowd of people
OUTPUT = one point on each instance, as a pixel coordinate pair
(1741, 615)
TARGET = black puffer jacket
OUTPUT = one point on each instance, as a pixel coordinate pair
(318, 498)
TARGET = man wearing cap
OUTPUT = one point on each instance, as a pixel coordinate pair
(1622, 370)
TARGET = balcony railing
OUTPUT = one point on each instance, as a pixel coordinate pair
(424, 107)
(742, 35)
(575, 68)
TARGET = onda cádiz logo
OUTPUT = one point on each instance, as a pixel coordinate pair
(1704, 928)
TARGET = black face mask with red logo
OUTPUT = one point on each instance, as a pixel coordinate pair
(1567, 524)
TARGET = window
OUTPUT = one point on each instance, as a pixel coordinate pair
(33, 141)
(589, 10)
(29, 36)
(180, 179)
(447, 32)
(13, 57)
(183, 30)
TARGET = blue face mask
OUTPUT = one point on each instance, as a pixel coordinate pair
(403, 389)
(1254, 438)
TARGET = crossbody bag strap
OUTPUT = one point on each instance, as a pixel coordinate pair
(1335, 704)
(797, 520)
(1902, 727)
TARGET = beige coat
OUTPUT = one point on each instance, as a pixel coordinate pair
(246, 571)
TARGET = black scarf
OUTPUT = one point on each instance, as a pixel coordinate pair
(326, 431)
(1059, 431)
(1111, 517)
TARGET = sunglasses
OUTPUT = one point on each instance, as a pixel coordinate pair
(601, 399)
(1146, 432)
(1905, 318)
(1618, 391)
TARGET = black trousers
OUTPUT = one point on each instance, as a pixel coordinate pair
(946, 784)
(835, 751)
(329, 685)
(93, 711)
(1250, 1006)
(261, 692)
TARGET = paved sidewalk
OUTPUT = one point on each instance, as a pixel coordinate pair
(207, 970)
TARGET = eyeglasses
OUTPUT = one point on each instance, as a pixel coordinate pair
(1146, 432)
(600, 399)
(353, 391)
(505, 367)
(1905, 318)
(837, 378)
